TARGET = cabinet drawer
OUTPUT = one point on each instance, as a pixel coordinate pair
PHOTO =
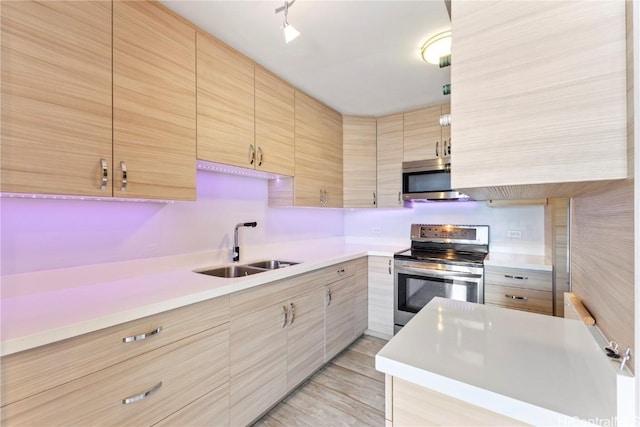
(519, 277)
(186, 370)
(519, 298)
(212, 409)
(33, 371)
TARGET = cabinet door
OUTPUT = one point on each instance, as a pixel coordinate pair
(331, 177)
(305, 336)
(558, 115)
(381, 279)
(154, 102)
(339, 316)
(359, 162)
(275, 123)
(422, 134)
(389, 161)
(308, 153)
(56, 97)
(258, 362)
(361, 297)
(225, 104)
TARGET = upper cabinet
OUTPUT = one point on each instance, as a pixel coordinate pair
(225, 104)
(331, 177)
(154, 103)
(539, 99)
(56, 98)
(274, 123)
(423, 137)
(389, 161)
(359, 162)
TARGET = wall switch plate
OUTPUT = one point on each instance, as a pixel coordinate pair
(514, 234)
(375, 230)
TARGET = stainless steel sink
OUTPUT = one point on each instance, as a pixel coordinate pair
(272, 264)
(232, 271)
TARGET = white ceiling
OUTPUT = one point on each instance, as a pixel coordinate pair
(358, 57)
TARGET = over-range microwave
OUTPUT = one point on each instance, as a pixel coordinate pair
(426, 180)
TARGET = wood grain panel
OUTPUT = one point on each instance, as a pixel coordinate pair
(552, 117)
(445, 131)
(212, 409)
(56, 97)
(422, 134)
(359, 162)
(361, 302)
(519, 277)
(389, 161)
(414, 406)
(274, 123)
(305, 337)
(557, 245)
(188, 369)
(602, 259)
(536, 191)
(331, 177)
(308, 150)
(225, 103)
(258, 363)
(381, 296)
(535, 301)
(339, 316)
(33, 371)
(154, 102)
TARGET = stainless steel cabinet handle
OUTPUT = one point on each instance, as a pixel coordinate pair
(449, 147)
(321, 198)
(105, 175)
(399, 197)
(510, 276)
(141, 396)
(328, 297)
(326, 197)
(123, 166)
(341, 271)
(259, 156)
(515, 297)
(284, 321)
(252, 154)
(374, 199)
(293, 313)
(437, 148)
(140, 337)
(389, 266)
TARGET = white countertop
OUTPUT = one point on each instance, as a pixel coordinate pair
(542, 370)
(43, 307)
(516, 260)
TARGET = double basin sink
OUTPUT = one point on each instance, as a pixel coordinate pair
(247, 269)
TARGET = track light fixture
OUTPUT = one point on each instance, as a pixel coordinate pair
(290, 33)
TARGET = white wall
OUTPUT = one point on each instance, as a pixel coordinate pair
(41, 234)
(395, 223)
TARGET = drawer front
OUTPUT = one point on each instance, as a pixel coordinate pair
(186, 370)
(530, 279)
(33, 371)
(519, 298)
(212, 409)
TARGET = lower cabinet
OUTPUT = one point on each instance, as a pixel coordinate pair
(380, 300)
(519, 289)
(339, 316)
(361, 308)
(209, 410)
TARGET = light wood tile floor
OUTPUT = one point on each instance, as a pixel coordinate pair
(346, 392)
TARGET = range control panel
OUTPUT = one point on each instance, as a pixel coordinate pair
(450, 233)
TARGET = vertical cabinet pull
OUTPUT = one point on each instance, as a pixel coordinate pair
(328, 297)
(252, 154)
(437, 148)
(105, 174)
(143, 395)
(389, 266)
(284, 320)
(143, 336)
(399, 197)
(259, 156)
(326, 197)
(293, 313)
(321, 198)
(374, 199)
(123, 166)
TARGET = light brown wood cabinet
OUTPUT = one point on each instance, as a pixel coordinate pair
(424, 138)
(61, 80)
(56, 97)
(520, 289)
(389, 160)
(539, 105)
(359, 162)
(331, 177)
(139, 372)
(361, 303)
(380, 301)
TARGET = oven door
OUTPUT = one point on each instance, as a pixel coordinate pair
(417, 283)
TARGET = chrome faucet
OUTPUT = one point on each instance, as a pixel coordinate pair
(236, 248)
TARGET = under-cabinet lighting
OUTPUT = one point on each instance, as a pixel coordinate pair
(235, 170)
(70, 197)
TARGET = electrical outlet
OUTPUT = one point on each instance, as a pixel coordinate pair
(375, 230)
(514, 234)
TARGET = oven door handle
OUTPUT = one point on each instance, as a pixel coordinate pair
(438, 273)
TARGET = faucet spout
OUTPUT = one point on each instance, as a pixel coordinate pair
(236, 247)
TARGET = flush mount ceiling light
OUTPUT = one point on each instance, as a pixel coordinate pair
(290, 33)
(437, 46)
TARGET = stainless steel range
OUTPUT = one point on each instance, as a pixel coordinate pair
(444, 261)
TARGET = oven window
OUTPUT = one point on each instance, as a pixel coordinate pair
(414, 292)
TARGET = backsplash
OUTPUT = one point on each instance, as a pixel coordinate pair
(394, 223)
(42, 234)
